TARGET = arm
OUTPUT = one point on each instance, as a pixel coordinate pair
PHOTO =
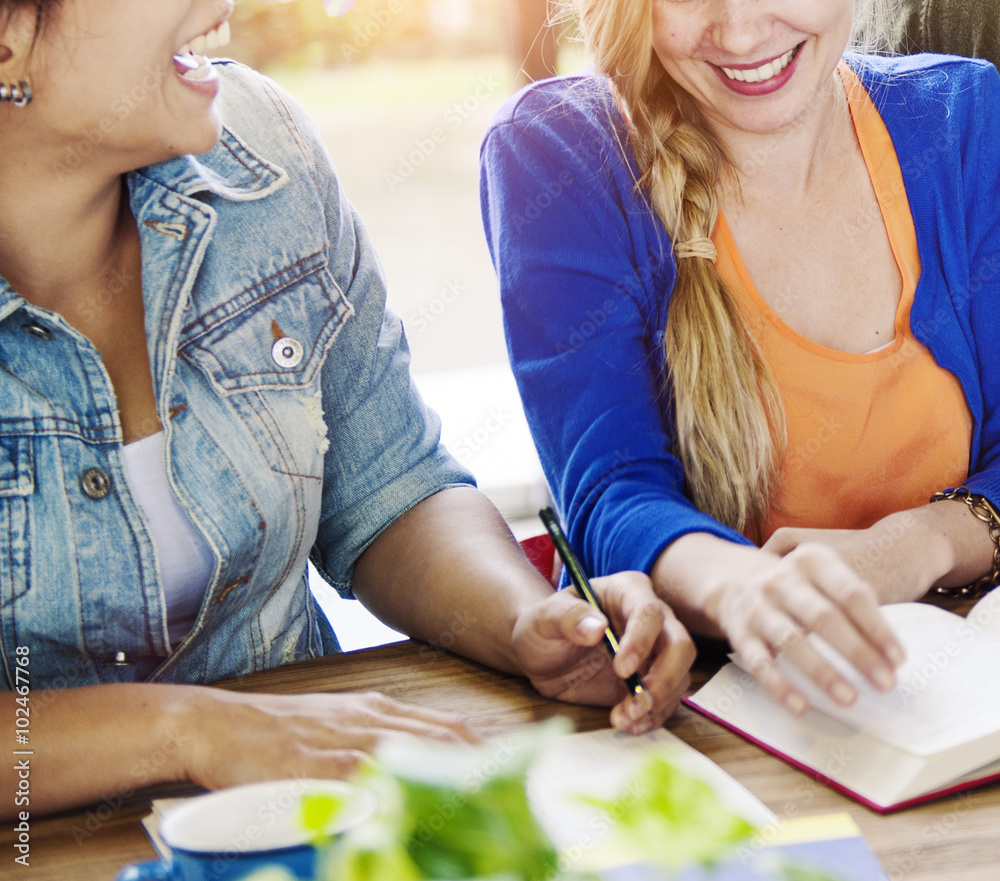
(449, 573)
(103, 743)
(402, 527)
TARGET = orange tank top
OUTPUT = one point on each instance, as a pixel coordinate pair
(870, 433)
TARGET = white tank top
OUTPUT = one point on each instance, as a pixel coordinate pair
(185, 560)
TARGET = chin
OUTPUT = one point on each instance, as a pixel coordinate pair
(197, 141)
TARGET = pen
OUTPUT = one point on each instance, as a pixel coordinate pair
(582, 585)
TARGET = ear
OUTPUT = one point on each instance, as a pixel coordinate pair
(17, 38)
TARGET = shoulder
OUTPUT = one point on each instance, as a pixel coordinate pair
(925, 85)
(562, 111)
(263, 115)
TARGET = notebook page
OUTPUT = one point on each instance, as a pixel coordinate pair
(941, 699)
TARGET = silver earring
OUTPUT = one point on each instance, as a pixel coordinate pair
(18, 94)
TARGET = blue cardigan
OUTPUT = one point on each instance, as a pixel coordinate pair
(586, 270)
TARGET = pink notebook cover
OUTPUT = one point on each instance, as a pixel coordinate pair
(950, 789)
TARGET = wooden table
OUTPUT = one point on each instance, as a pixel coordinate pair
(957, 839)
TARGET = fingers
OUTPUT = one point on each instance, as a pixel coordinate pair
(666, 679)
(812, 590)
(653, 643)
(380, 714)
(564, 615)
(561, 652)
(247, 737)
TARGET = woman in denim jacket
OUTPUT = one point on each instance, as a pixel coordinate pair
(200, 389)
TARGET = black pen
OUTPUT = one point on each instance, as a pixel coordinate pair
(582, 585)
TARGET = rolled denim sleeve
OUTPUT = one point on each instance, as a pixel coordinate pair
(384, 453)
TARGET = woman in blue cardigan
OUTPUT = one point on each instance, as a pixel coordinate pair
(749, 286)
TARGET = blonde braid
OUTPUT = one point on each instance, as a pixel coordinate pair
(729, 418)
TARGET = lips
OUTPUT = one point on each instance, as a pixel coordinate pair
(190, 62)
(761, 78)
(763, 72)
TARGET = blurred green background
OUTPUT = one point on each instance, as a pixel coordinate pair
(301, 32)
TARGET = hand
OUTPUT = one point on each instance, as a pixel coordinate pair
(901, 556)
(771, 604)
(558, 643)
(238, 738)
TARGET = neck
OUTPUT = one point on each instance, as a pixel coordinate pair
(60, 235)
(789, 163)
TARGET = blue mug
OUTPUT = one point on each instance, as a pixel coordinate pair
(232, 833)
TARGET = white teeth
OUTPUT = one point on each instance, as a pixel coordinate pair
(764, 72)
(202, 71)
(214, 39)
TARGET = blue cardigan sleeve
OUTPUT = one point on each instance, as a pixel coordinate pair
(585, 270)
(982, 206)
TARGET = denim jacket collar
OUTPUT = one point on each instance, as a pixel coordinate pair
(230, 170)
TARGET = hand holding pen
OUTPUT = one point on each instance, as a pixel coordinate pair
(667, 662)
(582, 584)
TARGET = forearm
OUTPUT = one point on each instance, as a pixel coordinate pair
(688, 576)
(449, 573)
(937, 545)
(99, 743)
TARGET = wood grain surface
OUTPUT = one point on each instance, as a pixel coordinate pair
(954, 839)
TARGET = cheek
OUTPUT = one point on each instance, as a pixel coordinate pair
(674, 38)
(835, 18)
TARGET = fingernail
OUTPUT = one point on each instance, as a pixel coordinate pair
(883, 678)
(620, 720)
(642, 727)
(627, 664)
(588, 624)
(796, 703)
(638, 709)
(843, 693)
(896, 655)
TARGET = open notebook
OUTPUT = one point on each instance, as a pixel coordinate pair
(936, 733)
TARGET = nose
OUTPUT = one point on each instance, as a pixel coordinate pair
(741, 26)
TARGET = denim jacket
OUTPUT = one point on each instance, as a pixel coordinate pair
(291, 425)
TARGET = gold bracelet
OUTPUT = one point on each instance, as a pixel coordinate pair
(988, 514)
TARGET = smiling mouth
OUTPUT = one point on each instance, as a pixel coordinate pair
(190, 59)
(763, 73)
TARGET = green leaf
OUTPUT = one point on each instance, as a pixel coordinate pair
(668, 817)
(317, 811)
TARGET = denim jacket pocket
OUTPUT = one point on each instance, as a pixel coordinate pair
(272, 335)
(17, 484)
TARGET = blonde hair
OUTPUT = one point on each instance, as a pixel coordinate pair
(729, 419)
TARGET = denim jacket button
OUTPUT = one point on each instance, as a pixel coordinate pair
(95, 483)
(287, 352)
(120, 660)
(36, 330)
